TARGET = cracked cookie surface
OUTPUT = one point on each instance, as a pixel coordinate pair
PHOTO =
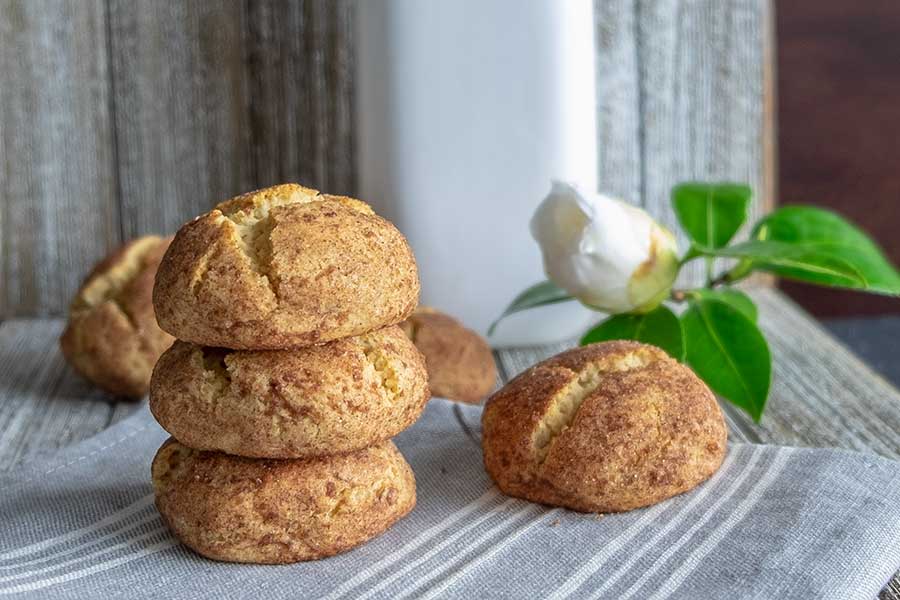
(284, 267)
(603, 428)
(332, 398)
(112, 337)
(238, 509)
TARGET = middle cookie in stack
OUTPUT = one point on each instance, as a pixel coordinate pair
(281, 449)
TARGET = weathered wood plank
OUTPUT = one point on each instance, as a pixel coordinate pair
(822, 394)
(221, 97)
(299, 67)
(58, 213)
(703, 68)
(180, 97)
(43, 404)
(619, 152)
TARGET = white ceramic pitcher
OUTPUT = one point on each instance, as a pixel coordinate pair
(466, 110)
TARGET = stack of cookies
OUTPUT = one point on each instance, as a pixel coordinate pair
(288, 378)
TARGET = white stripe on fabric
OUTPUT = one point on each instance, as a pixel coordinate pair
(688, 535)
(150, 518)
(481, 558)
(588, 570)
(652, 543)
(114, 518)
(715, 537)
(78, 559)
(708, 513)
(459, 533)
(422, 538)
(105, 566)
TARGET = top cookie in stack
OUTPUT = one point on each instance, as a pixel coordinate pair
(283, 267)
(288, 379)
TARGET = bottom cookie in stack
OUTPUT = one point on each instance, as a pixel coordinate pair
(240, 509)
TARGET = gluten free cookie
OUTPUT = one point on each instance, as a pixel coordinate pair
(238, 509)
(603, 428)
(327, 399)
(460, 362)
(284, 267)
(112, 337)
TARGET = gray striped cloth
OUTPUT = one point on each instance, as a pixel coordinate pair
(772, 523)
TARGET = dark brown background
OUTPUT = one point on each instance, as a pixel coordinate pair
(839, 126)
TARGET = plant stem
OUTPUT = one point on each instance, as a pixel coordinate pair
(683, 295)
(720, 280)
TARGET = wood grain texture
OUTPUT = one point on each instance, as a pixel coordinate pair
(58, 212)
(299, 66)
(619, 141)
(703, 67)
(179, 92)
(120, 119)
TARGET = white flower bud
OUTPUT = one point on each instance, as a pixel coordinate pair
(608, 254)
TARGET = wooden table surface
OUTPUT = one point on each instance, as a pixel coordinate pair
(822, 394)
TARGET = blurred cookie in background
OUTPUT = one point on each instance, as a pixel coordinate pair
(459, 361)
(112, 338)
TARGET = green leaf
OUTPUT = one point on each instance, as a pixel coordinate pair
(728, 351)
(829, 236)
(735, 298)
(659, 327)
(540, 294)
(711, 213)
(798, 261)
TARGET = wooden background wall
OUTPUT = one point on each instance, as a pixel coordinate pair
(839, 92)
(119, 118)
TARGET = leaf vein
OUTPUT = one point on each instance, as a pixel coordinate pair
(727, 356)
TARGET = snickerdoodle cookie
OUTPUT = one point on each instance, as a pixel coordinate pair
(603, 428)
(310, 401)
(112, 338)
(460, 363)
(283, 267)
(240, 509)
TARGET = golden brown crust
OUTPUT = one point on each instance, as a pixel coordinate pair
(326, 399)
(249, 510)
(460, 362)
(603, 428)
(284, 267)
(112, 337)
